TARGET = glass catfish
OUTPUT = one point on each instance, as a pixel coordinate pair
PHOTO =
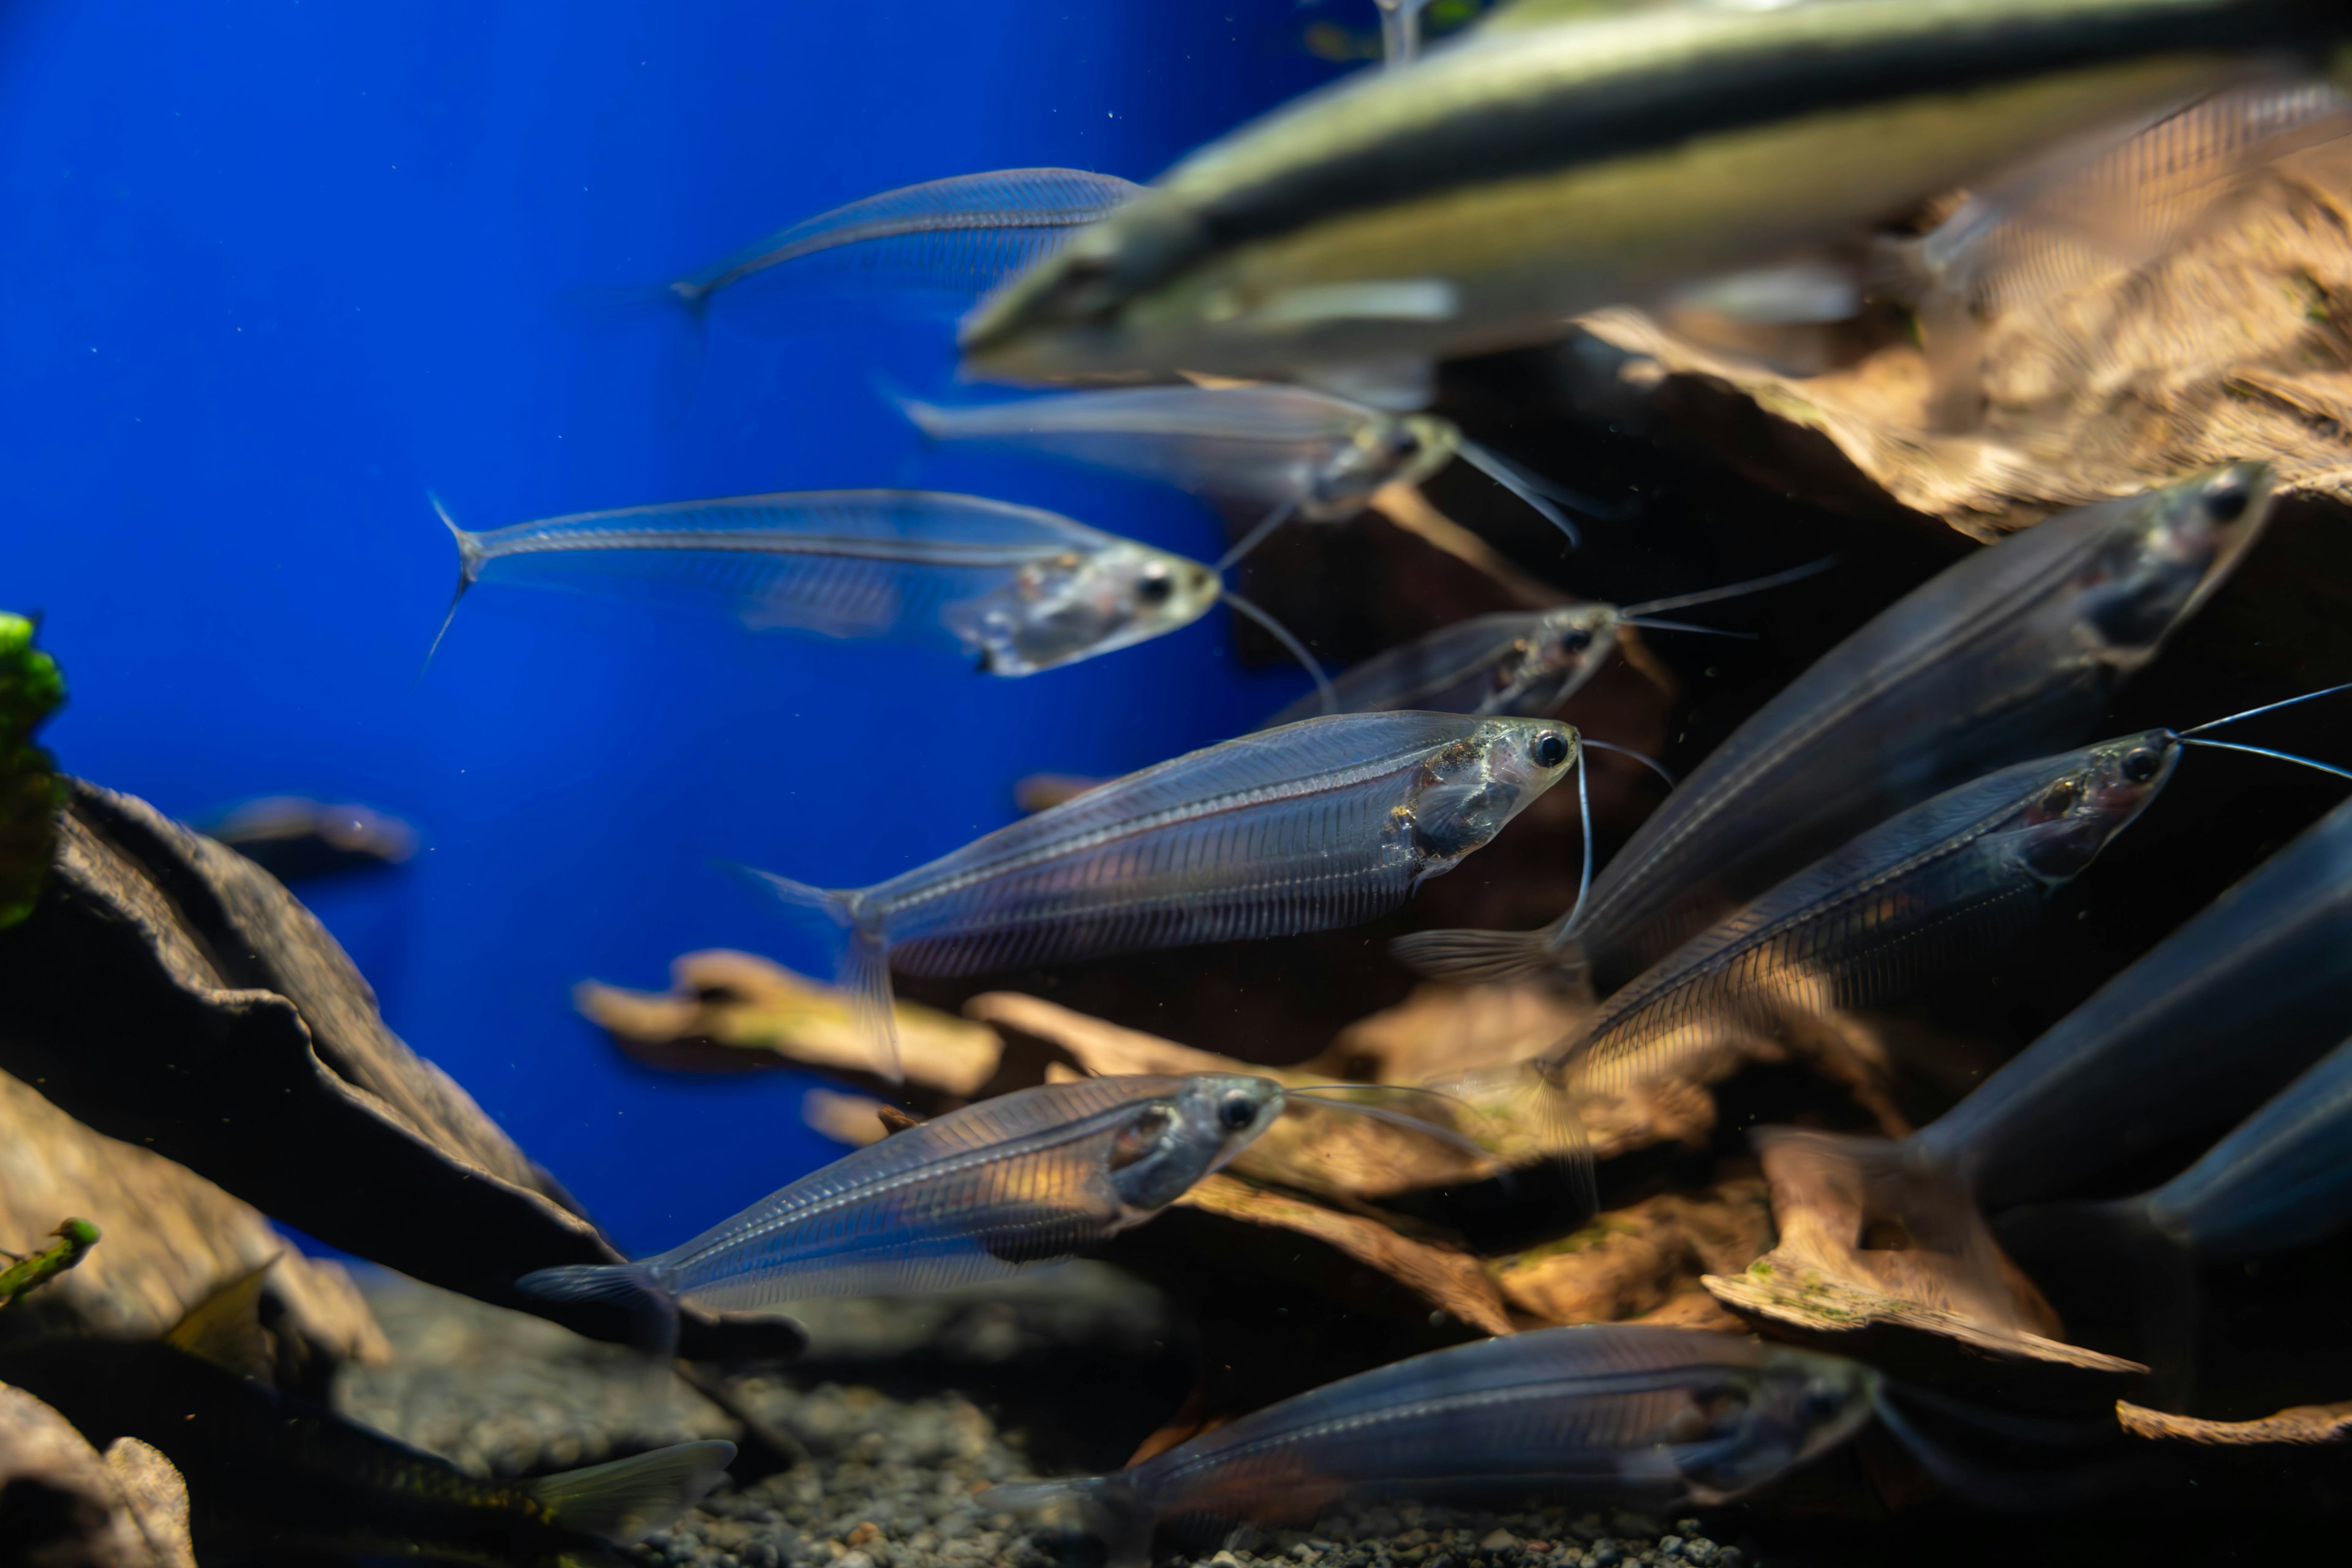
(1328, 822)
(1031, 1177)
(1605, 1413)
(2012, 653)
(1018, 589)
(1481, 197)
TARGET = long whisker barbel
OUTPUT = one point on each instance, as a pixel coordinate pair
(1255, 537)
(2265, 707)
(2265, 752)
(1649, 624)
(1511, 478)
(1643, 758)
(1297, 649)
(1584, 811)
(1381, 1113)
(1733, 590)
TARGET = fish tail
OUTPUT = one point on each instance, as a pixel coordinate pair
(1107, 1508)
(471, 556)
(628, 1500)
(931, 419)
(1896, 269)
(1472, 956)
(863, 969)
(634, 1288)
(2118, 1246)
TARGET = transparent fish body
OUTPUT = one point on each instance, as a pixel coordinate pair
(1330, 821)
(2282, 1180)
(1265, 445)
(2210, 1020)
(1019, 589)
(2014, 652)
(1488, 193)
(1524, 662)
(1027, 1178)
(962, 236)
(1939, 885)
(1612, 1413)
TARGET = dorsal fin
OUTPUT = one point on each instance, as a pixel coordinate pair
(224, 1328)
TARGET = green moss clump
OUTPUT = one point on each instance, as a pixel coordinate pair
(31, 793)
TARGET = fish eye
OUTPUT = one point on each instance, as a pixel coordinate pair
(2226, 500)
(1154, 586)
(1575, 640)
(2061, 797)
(1237, 1112)
(2142, 765)
(1821, 1399)
(1551, 749)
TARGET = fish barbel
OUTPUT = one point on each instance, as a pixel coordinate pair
(1944, 882)
(1330, 821)
(1479, 198)
(962, 236)
(1019, 589)
(2013, 652)
(1640, 1417)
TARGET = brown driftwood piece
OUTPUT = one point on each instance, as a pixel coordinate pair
(65, 1507)
(1445, 1278)
(2302, 1424)
(170, 994)
(731, 1012)
(1634, 1264)
(170, 1239)
(2237, 343)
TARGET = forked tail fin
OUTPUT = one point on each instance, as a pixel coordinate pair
(628, 1500)
(1104, 1507)
(632, 1287)
(861, 968)
(471, 556)
(1493, 956)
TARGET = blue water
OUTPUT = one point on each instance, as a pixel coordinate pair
(272, 270)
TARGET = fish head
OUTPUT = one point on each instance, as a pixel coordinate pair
(1076, 313)
(1171, 1140)
(1756, 1423)
(1470, 789)
(2090, 797)
(1091, 601)
(1569, 645)
(1386, 450)
(2168, 551)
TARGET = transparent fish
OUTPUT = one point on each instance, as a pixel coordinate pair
(1488, 193)
(962, 236)
(1331, 822)
(1031, 1177)
(1018, 589)
(1525, 662)
(1941, 884)
(1401, 29)
(2093, 210)
(1609, 1414)
(2014, 652)
(2212, 1019)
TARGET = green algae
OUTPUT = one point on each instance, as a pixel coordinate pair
(31, 793)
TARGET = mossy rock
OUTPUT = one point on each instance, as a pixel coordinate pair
(31, 794)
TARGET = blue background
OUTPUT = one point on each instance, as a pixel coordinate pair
(273, 270)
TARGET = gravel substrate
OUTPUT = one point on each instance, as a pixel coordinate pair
(889, 1479)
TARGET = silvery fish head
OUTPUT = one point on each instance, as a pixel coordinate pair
(1760, 1422)
(1172, 1142)
(1084, 602)
(1071, 314)
(1469, 790)
(1567, 646)
(2089, 797)
(1387, 450)
(2170, 550)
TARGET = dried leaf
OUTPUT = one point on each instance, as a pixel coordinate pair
(2233, 346)
(731, 1012)
(852, 1118)
(1447, 1278)
(2304, 1423)
(1633, 1264)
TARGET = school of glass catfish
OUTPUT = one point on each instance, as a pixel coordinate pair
(1271, 310)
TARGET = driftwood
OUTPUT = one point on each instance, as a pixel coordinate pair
(2235, 344)
(171, 1240)
(1644, 1263)
(64, 1506)
(168, 993)
(2301, 1425)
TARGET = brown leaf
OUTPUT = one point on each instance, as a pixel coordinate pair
(1442, 1277)
(2304, 1423)
(1636, 1263)
(731, 1012)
